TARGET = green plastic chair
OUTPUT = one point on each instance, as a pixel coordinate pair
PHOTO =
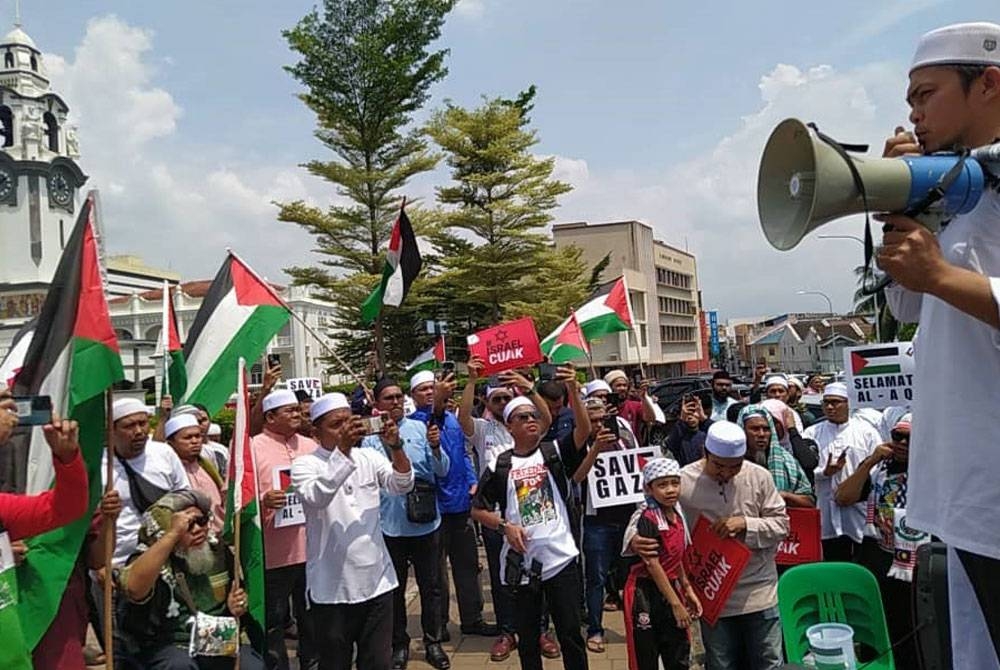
(833, 593)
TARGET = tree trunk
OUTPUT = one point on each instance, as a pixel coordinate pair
(379, 348)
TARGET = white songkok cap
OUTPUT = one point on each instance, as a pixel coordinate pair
(519, 401)
(421, 377)
(656, 468)
(959, 44)
(178, 423)
(214, 429)
(280, 398)
(490, 390)
(797, 382)
(836, 389)
(615, 374)
(780, 380)
(593, 387)
(726, 440)
(127, 407)
(326, 404)
(183, 409)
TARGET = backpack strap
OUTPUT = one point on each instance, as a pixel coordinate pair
(555, 465)
(501, 473)
(552, 460)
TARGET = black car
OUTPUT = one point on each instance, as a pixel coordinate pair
(669, 392)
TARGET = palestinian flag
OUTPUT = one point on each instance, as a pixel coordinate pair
(238, 317)
(430, 359)
(569, 342)
(175, 375)
(74, 358)
(876, 361)
(12, 362)
(242, 500)
(402, 265)
(607, 311)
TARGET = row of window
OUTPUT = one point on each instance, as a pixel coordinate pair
(7, 128)
(677, 333)
(8, 61)
(676, 306)
(671, 278)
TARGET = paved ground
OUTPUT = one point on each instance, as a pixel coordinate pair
(472, 653)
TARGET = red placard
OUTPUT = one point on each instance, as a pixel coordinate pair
(508, 346)
(803, 542)
(713, 565)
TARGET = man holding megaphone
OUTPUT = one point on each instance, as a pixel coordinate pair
(950, 285)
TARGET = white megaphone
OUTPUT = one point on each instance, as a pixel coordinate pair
(804, 182)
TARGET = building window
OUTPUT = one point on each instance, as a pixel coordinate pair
(256, 374)
(52, 131)
(62, 235)
(123, 334)
(638, 301)
(770, 351)
(34, 63)
(7, 125)
(8, 60)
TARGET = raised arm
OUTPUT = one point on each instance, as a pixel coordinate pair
(139, 577)
(581, 420)
(465, 418)
(851, 490)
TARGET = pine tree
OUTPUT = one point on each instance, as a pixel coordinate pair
(366, 68)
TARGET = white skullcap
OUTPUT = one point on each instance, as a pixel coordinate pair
(726, 440)
(656, 468)
(613, 375)
(836, 389)
(184, 409)
(280, 398)
(214, 429)
(959, 44)
(797, 382)
(519, 401)
(127, 407)
(780, 380)
(326, 404)
(177, 423)
(593, 387)
(421, 377)
(490, 390)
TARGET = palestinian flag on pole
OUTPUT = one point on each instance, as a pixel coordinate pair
(606, 312)
(174, 373)
(242, 501)
(402, 265)
(74, 358)
(876, 361)
(430, 359)
(238, 317)
(569, 343)
(12, 362)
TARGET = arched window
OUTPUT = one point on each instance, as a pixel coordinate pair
(123, 334)
(7, 125)
(52, 131)
(8, 60)
(34, 63)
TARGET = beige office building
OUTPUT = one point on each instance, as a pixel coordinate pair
(663, 287)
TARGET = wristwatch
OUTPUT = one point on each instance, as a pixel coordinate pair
(502, 526)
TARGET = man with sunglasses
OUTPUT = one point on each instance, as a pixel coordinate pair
(843, 442)
(881, 480)
(490, 437)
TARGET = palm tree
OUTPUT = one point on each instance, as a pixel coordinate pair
(865, 304)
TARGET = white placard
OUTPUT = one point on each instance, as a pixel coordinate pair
(310, 385)
(880, 375)
(616, 478)
(292, 514)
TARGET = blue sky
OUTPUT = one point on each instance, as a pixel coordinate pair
(655, 110)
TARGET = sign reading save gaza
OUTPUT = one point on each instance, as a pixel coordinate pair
(880, 375)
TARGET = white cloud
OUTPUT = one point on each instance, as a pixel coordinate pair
(163, 196)
(709, 202)
(472, 9)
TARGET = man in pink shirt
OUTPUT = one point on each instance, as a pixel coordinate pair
(183, 434)
(284, 528)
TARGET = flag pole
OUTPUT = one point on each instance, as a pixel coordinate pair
(583, 341)
(237, 560)
(109, 535)
(165, 340)
(635, 330)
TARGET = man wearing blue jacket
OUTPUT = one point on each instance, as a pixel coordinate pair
(454, 495)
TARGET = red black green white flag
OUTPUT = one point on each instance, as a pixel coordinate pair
(73, 357)
(875, 361)
(238, 317)
(402, 265)
(607, 311)
(429, 359)
(174, 372)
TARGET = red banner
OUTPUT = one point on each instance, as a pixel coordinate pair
(713, 565)
(803, 543)
(508, 346)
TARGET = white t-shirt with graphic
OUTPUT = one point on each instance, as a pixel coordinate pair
(534, 503)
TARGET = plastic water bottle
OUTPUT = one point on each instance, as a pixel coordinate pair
(809, 661)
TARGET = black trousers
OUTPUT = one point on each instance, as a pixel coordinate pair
(897, 601)
(841, 549)
(458, 545)
(561, 592)
(365, 626)
(984, 574)
(280, 585)
(656, 637)
(423, 553)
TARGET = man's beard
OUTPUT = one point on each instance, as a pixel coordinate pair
(200, 560)
(759, 457)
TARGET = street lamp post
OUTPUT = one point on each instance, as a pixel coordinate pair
(829, 304)
(878, 315)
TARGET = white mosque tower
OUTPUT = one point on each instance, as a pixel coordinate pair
(40, 181)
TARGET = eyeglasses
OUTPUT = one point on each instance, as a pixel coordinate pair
(395, 397)
(900, 436)
(524, 417)
(834, 401)
(501, 399)
(198, 521)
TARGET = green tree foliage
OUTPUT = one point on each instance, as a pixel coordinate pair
(495, 257)
(366, 68)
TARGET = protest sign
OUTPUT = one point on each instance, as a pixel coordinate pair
(616, 478)
(292, 514)
(879, 375)
(311, 385)
(802, 545)
(713, 565)
(505, 347)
